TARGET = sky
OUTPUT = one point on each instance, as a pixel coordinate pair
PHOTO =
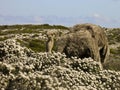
(63, 12)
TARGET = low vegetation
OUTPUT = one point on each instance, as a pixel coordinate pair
(34, 44)
(113, 35)
(42, 26)
(24, 64)
(22, 69)
(114, 43)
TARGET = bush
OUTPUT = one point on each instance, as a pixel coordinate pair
(51, 71)
(30, 26)
(113, 35)
(114, 51)
(113, 65)
(37, 45)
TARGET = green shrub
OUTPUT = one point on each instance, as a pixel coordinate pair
(113, 35)
(2, 39)
(113, 65)
(30, 26)
(115, 51)
(19, 31)
(35, 44)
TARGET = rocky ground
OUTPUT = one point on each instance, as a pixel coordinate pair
(24, 64)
